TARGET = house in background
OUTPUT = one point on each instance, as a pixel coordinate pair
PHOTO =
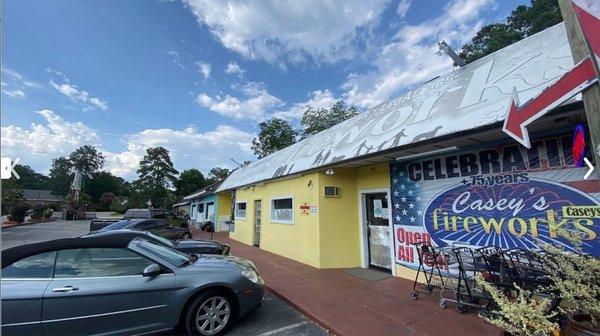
(206, 206)
(42, 197)
(182, 208)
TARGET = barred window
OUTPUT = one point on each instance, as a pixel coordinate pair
(282, 210)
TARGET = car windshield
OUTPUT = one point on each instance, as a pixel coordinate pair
(137, 214)
(117, 225)
(168, 254)
(160, 239)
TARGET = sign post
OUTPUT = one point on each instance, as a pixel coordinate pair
(580, 50)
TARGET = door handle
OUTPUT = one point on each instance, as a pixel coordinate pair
(65, 289)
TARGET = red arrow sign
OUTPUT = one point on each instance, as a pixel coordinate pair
(580, 77)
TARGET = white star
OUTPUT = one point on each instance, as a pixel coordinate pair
(403, 199)
(402, 186)
(420, 212)
(410, 192)
(401, 174)
(397, 205)
(412, 219)
(395, 180)
(411, 205)
(398, 218)
(404, 212)
(396, 193)
(418, 199)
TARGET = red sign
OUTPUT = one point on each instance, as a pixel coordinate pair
(578, 145)
(579, 78)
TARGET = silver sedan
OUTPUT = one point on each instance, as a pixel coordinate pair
(121, 284)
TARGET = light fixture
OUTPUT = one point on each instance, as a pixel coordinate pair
(329, 171)
(436, 151)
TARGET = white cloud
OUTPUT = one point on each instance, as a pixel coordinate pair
(174, 54)
(403, 8)
(317, 99)
(255, 104)
(78, 95)
(234, 69)
(38, 144)
(288, 31)
(204, 68)
(188, 148)
(15, 84)
(412, 58)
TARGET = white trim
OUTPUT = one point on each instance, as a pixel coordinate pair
(364, 253)
(235, 217)
(278, 221)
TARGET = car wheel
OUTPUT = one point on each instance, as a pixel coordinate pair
(186, 236)
(210, 314)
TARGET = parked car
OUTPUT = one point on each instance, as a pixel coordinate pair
(189, 246)
(157, 226)
(164, 214)
(117, 284)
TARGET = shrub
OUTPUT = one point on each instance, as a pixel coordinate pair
(48, 212)
(37, 212)
(18, 212)
(119, 205)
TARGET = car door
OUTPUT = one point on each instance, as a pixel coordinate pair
(162, 228)
(23, 286)
(102, 291)
(173, 220)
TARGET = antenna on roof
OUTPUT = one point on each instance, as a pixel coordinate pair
(445, 48)
(237, 163)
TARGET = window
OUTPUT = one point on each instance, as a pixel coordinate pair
(159, 214)
(132, 213)
(169, 215)
(99, 262)
(282, 210)
(172, 256)
(240, 210)
(201, 207)
(38, 266)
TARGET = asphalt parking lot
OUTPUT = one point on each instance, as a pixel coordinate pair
(276, 317)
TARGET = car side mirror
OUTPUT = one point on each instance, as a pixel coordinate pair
(151, 270)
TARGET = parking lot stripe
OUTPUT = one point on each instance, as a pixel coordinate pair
(282, 329)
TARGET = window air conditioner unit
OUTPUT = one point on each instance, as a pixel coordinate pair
(331, 191)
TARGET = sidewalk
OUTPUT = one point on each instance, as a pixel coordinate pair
(347, 305)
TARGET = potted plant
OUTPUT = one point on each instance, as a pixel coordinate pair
(574, 279)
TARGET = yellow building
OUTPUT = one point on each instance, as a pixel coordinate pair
(430, 166)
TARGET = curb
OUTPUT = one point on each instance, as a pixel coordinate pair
(330, 330)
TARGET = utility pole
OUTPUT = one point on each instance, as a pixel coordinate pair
(591, 96)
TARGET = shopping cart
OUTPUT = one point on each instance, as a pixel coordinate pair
(430, 260)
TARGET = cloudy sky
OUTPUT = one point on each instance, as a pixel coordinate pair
(197, 76)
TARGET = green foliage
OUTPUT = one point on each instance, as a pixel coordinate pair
(29, 179)
(522, 22)
(156, 169)
(275, 134)
(18, 212)
(10, 198)
(119, 205)
(84, 199)
(524, 315)
(48, 212)
(103, 182)
(60, 176)
(106, 200)
(217, 174)
(87, 160)
(189, 181)
(37, 212)
(315, 120)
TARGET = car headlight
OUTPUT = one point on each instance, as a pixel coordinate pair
(253, 276)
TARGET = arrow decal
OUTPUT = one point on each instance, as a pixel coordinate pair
(577, 79)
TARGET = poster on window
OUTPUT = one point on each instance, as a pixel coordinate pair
(507, 196)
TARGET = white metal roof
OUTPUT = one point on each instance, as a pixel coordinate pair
(475, 95)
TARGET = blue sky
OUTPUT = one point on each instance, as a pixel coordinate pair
(198, 76)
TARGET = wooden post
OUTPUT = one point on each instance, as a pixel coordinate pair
(591, 96)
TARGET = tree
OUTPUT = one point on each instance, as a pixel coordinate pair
(60, 176)
(106, 200)
(522, 22)
(315, 120)
(103, 182)
(218, 174)
(274, 134)
(155, 175)
(87, 160)
(189, 181)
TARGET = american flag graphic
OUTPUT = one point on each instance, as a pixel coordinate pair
(407, 207)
